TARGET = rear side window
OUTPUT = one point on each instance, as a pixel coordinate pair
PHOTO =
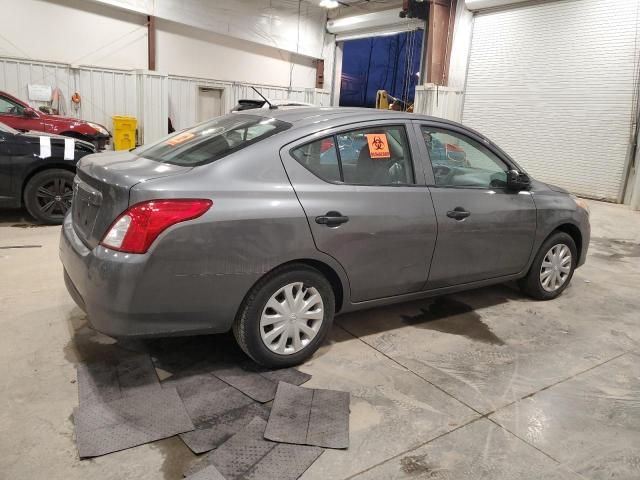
(372, 156)
(212, 140)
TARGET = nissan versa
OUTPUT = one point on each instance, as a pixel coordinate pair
(271, 222)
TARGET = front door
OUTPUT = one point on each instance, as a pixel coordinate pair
(366, 207)
(15, 115)
(484, 230)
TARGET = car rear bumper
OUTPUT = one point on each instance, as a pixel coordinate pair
(136, 295)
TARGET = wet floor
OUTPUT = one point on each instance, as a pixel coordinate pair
(482, 384)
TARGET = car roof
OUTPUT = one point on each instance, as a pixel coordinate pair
(302, 116)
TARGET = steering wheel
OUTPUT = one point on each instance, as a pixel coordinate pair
(441, 172)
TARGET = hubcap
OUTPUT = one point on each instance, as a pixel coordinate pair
(54, 197)
(291, 318)
(556, 267)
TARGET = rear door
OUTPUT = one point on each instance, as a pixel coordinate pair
(367, 205)
(484, 230)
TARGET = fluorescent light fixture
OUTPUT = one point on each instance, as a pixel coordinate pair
(329, 3)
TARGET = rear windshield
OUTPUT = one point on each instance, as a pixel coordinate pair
(211, 140)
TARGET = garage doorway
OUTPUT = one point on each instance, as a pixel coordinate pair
(386, 62)
(209, 103)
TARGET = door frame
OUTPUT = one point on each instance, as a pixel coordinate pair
(414, 145)
(472, 134)
(223, 102)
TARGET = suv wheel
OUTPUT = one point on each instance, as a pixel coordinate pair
(285, 317)
(552, 269)
(48, 195)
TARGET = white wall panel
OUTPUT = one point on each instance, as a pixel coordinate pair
(73, 32)
(553, 84)
(15, 75)
(150, 96)
(290, 25)
(183, 96)
(193, 52)
(104, 92)
(153, 106)
(443, 102)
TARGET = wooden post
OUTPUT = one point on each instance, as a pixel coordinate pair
(151, 45)
(439, 36)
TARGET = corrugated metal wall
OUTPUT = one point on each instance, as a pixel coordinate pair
(105, 92)
(443, 102)
(183, 96)
(153, 106)
(150, 96)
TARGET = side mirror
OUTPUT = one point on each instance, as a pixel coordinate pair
(30, 112)
(517, 181)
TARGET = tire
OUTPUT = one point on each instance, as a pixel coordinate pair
(48, 194)
(249, 332)
(534, 283)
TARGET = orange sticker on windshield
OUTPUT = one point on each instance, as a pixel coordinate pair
(378, 145)
(180, 138)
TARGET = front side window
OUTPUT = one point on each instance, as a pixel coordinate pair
(212, 140)
(10, 108)
(371, 156)
(459, 161)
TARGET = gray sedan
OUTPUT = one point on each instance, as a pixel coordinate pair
(271, 222)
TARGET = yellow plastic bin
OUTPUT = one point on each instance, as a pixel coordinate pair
(124, 132)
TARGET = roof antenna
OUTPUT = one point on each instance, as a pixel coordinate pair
(271, 107)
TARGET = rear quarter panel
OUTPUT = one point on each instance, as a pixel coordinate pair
(255, 224)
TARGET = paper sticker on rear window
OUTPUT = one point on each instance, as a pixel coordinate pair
(180, 138)
(378, 145)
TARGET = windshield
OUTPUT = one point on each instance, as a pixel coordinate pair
(8, 129)
(211, 140)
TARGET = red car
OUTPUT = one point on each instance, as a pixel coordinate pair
(20, 116)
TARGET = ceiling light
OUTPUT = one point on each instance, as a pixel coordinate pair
(329, 3)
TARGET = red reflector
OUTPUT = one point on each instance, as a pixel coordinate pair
(150, 219)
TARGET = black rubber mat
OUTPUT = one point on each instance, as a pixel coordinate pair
(309, 417)
(217, 410)
(105, 427)
(119, 376)
(208, 473)
(248, 455)
(259, 384)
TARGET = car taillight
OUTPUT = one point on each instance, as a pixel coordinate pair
(136, 229)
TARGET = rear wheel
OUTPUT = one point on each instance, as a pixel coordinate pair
(285, 317)
(48, 195)
(552, 269)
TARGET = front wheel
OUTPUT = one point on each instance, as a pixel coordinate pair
(285, 317)
(552, 269)
(48, 195)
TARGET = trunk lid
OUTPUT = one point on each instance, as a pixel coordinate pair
(101, 189)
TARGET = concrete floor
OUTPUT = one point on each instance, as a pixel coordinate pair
(485, 384)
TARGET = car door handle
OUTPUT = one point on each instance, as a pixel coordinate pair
(458, 213)
(332, 219)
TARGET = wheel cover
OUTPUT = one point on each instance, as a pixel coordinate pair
(291, 319)
(556, 267)
(53, 197)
